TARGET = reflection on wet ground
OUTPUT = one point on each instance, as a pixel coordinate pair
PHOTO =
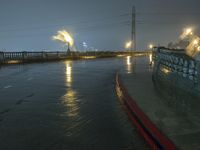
(70, 98)
(64, 105)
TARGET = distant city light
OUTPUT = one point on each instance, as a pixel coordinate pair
(120, 55)
(84, 44)
(89, 57)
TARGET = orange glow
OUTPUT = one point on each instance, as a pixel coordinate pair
(89, 57)
(165, 70)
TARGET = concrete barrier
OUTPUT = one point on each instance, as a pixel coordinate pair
(155, 139)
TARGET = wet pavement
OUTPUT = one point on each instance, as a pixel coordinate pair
(175, 114)
(64, 105)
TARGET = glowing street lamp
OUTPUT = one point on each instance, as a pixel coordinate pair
(151, 46)
(198, 48)
(195, 42)
(128, 45)
(189, 31)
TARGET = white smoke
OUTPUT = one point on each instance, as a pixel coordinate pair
(64, 37)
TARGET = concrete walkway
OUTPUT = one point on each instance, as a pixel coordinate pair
(182, 127)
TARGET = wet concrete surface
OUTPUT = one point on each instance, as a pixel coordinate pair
(64, 105)
(171, 113)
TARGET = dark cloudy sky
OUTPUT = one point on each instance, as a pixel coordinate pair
(102, 24)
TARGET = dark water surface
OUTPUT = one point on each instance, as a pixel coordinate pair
(64, 106)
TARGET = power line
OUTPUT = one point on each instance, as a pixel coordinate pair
(133, 29)
(166, 13)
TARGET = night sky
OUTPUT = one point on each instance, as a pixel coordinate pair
(102, 24)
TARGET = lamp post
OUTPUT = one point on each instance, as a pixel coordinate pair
(68, 47)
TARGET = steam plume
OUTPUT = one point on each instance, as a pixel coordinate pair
(65, 37)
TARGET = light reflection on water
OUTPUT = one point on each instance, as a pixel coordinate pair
(129, 64)
(150, 58)
(151, 62)
(70, 97)
(69, 101)
(68, 72)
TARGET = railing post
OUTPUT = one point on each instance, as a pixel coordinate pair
(43, 55)
(58, 54)
(24, 56)
(197, 72)
(1, 57)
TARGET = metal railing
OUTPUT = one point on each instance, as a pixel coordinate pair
(6, 57)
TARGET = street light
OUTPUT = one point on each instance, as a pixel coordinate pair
(195, 42)
(128, 45)
(189, 31)
(198, 48)
(151, 46)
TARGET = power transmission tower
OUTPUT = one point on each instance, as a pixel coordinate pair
(133, 31)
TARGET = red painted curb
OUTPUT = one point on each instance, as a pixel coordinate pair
(155, 138)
